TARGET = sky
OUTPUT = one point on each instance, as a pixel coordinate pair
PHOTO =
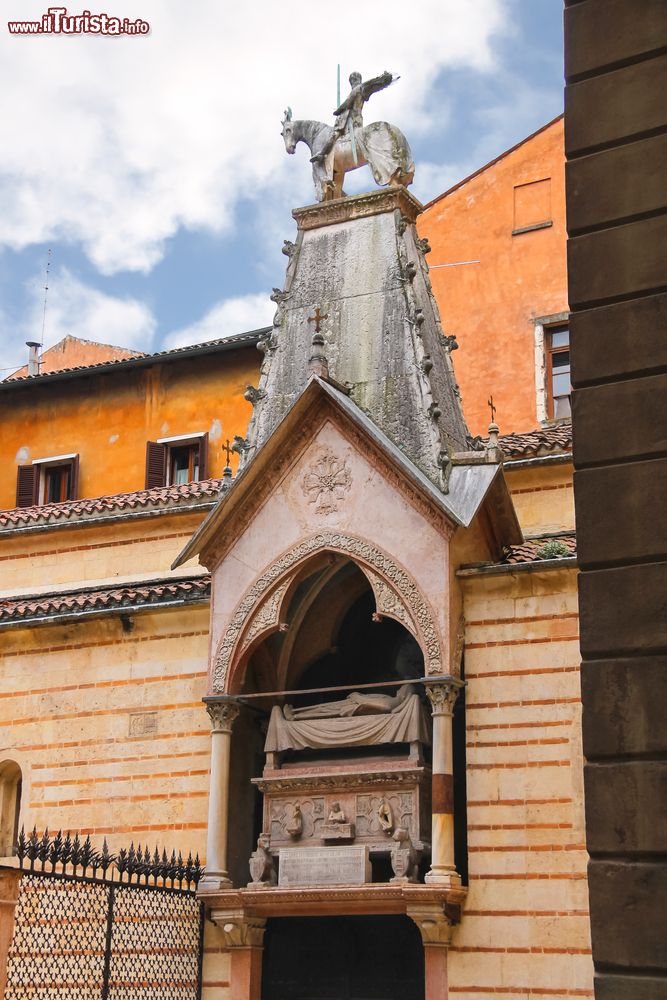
(152, 165)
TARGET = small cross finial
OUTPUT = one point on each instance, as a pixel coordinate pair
(317, 319)
(492, 407)
(227, 448)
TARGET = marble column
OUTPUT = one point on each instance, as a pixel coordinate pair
(222, 715)
(442, 693)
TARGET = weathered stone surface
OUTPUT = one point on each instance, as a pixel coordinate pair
(628, 914)
(379, 319)
(324, 866)
(626, 807)
(638, 493)
(624, 703)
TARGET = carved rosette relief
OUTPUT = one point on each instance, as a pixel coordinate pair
(326, 482)
(356, 548)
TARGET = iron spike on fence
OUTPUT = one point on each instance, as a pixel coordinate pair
(66, 850)
(33, 847)
(21, 846)
(55, 850)
(43, 848)
(75, 857)
(122, 862)
(87, 855)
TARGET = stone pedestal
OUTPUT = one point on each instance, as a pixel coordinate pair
(10, 881)
(222, 714)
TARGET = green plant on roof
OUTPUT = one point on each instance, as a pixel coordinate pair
(553, 549)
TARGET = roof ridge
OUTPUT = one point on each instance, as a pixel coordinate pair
(249, 336)
(491, 163)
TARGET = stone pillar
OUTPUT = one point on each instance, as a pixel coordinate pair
(10, 881)
(436, 931)
(442, 693)
(222, 714)
(243, 935)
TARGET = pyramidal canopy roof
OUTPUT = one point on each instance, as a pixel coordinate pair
(469, 485)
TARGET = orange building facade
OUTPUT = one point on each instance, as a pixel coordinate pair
(498, 269)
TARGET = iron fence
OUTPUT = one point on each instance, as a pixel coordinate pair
(91, 925)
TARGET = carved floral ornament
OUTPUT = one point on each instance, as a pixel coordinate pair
(415, 612)
(326, 482)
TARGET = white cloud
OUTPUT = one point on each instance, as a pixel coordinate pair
(115, 143)
(77, 309)
(247, 312)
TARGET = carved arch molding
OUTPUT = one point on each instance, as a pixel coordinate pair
(396, 595)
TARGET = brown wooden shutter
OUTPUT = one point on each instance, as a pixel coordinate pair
(156, 465)
(27, 485)
(74, 479)
(203, 457)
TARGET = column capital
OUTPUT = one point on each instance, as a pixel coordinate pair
(239, 930)
(442, 692)
(434, 925)
(222, 715)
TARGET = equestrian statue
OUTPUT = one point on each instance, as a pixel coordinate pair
(349, 143)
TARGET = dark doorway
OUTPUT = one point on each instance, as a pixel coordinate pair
(343, 958)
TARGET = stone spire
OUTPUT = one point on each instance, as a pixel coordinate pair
(358, 306)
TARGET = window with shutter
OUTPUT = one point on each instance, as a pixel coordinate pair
(27, 485)
(48, 480)
(156, 465)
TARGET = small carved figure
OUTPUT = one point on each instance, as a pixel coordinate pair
(262, 867)
(336, 814)
(404, 857)
(350, 113)
(295, 824)
(385, 816)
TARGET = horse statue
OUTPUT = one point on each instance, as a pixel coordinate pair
(381, 145)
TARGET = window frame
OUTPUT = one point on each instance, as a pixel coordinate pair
(168, 445)
(550, 353)
(543, 326)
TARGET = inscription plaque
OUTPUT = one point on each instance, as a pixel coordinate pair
(324, 866)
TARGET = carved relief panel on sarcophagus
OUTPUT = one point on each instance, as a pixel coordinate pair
(350, 772)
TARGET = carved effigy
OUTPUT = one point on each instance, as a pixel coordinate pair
(359, 720)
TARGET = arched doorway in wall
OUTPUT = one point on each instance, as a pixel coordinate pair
(343, 958)
(329, 636)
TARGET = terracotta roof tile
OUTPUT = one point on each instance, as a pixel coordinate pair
(185, 590)
(137, 358)
(546, 547)
(75, 510)
(548, 440)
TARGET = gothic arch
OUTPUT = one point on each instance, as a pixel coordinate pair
(258, 613)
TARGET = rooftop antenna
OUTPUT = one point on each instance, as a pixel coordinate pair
(46, 292)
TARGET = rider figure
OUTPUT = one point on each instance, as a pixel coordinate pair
(350, 113)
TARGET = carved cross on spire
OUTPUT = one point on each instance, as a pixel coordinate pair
(317, 319)
(227, 448)
(492, 407)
